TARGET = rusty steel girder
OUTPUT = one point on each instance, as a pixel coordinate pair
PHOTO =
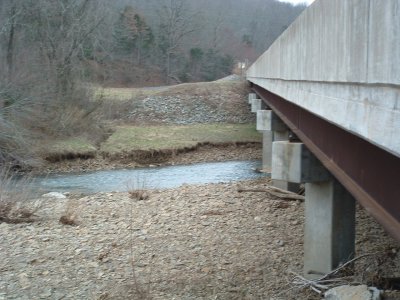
(368, 172)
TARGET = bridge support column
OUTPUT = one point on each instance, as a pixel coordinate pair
(280, 132)
(267, 140)
(283, 136)
(264, 126)
(329, 234)
(256, 104)
(251, 97)
(329, 231)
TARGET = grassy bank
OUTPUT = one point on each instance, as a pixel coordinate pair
(128, 139)
(143, 122)
(73, 147)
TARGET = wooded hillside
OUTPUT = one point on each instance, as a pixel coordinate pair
(52, 51)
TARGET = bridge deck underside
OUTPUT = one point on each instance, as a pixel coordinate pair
(368, 172)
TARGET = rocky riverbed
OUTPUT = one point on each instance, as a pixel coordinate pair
(193, 242)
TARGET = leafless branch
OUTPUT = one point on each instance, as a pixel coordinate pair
(324, 282)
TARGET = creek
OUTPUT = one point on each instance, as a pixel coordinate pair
(150, 178)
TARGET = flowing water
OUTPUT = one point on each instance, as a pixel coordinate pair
(158, 178)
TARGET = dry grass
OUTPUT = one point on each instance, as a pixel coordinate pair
(69, 148)
(198, 88)
(30, 122)
(17, 114)
(152, 144)
(15, 196)
(137, 189)
(70, 215)
(121, 94)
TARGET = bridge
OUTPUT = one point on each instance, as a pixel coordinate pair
(327, 98)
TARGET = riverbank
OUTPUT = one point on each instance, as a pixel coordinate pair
(159, 126)
(198, 154)
(192, 242)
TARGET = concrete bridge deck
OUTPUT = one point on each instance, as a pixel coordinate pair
(333, 78)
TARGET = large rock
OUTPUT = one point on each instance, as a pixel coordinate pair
(54, 195)
(347, 292)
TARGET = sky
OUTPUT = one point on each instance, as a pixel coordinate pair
(298, 1)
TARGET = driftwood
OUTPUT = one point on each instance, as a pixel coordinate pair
(282, 194)
(326, 281)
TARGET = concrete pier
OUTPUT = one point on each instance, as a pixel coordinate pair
(251, 97)
(256, 105)
(330, 209)
(263, 126)
(273, 129)
(267, 140)
(268, 120)
(329, 233)
(281, 133)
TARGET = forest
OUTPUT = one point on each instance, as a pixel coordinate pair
(52, 52)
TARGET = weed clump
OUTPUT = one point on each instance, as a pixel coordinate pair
(70, 215)
(138, 194)
(137, 189)
(15, 194)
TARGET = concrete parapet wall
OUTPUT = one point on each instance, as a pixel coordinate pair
(341, 61)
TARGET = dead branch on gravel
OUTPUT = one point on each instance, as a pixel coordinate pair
(326, 281)
(282, 194)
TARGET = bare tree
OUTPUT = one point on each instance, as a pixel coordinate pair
(9, 12)
(176, 23)
(62, 32)
(43, 47)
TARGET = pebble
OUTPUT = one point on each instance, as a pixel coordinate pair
(46, 294)
(54, 195)
(166, 242)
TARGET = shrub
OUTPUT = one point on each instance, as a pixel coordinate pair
(15, 196)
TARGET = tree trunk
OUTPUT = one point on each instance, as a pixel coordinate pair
(11, 44)
(168, 66)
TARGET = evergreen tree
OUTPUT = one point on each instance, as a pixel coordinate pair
(132, 34)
